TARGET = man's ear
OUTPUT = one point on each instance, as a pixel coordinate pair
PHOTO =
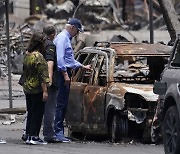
(73, 27)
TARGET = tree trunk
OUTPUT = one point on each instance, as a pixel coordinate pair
(170, 18)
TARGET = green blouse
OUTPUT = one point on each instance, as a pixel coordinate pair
(35, 71)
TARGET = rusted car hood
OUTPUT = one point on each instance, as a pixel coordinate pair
(145, 90)
(141, 49)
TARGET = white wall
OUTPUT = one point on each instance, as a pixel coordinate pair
(21, 8)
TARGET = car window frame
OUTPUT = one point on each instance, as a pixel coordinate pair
(78, 75)
(99, 65)
(89, 52)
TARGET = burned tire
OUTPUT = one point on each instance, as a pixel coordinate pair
(119, 128)
(171, 131)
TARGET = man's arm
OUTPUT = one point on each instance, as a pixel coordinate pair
(66, 77)
(60, 51)
(50, 70)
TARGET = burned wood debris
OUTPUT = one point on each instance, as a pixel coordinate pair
(96, 15)
(106, 14)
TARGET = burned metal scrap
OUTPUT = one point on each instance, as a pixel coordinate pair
(19, 38)
(62, 11)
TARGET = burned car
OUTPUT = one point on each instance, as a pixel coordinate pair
(116, 98)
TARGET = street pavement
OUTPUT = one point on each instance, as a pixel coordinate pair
(12, 133)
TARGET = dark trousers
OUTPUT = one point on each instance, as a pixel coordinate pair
(62, 102)
(35, 108)
(49, 113)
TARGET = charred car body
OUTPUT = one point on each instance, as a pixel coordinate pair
(167, 119)
(116, 97)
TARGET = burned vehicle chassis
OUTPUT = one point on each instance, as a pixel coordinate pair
(103, 101)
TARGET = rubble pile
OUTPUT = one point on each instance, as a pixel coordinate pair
(18, 43)
(110, 14)
(96, 15)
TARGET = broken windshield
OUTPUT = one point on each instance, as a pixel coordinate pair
(138, 69)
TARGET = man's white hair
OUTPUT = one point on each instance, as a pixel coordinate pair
(68, 25)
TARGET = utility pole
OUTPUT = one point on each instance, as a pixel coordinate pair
(8, 52)
(151, 22)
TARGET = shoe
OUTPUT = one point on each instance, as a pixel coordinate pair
(28, 140)
(71, 139)
(51, 140)
(63, 139)
(24, 137)
(2, 141)
(36, 140)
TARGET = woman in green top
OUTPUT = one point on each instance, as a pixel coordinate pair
(35, 73)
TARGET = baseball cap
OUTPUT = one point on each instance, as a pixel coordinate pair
(77, 23)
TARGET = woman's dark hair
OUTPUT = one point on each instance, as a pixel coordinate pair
(36, 42)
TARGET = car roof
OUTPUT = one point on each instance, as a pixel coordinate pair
(141, 49)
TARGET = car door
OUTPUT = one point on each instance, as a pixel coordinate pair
(74, 114)
(172, 75)
(94, 96)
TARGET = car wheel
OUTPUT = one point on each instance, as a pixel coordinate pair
(172, 131)
(119, 128)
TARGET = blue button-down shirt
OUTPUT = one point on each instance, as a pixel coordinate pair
(65, 54)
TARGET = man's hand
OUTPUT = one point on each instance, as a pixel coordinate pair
(66, 78)
(45, 96)
(50, 82)
(87, 67)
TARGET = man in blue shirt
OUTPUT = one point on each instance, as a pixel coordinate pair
(65, 63)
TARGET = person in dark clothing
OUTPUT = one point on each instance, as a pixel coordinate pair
(51, 58)
(34, 80)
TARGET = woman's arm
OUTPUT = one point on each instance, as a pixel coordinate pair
(45, 92)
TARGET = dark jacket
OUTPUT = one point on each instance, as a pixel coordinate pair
(50, 55)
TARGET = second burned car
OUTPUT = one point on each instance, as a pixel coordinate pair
(116, 98)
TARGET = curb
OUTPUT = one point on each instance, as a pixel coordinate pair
(13, 110)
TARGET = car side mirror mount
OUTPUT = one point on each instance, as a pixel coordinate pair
(159, 87)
